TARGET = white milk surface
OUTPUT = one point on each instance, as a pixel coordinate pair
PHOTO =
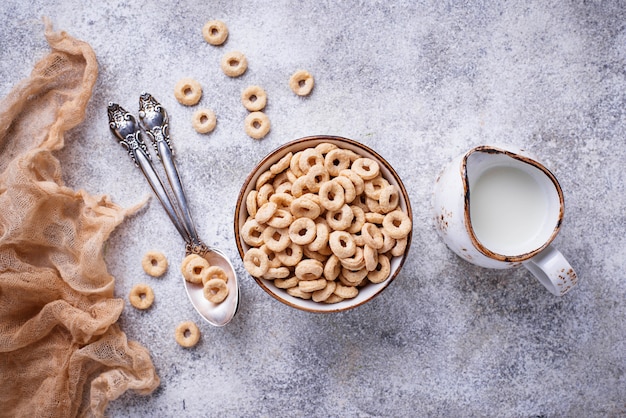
(508, 209)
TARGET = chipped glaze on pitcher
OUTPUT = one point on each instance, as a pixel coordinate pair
(489, 246)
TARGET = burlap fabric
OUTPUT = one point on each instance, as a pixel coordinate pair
(61, 351)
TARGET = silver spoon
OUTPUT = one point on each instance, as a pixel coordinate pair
(155, 122)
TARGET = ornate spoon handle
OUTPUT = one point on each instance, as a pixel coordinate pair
(127, 131)
(154, 120)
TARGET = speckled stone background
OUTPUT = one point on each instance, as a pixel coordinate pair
(420, 82)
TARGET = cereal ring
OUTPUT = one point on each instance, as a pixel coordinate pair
(397, 224)
(276, 239)
(286, 283)
(321, 237)
(357, 221)
(374, 186)
(372, 236)
(400, 247)
(282, 164)
(374, 218)
(154, 263)
(282, 200)
(333, 299)
(336, 160)
(192, 267)
(388, 242)
(263, 194)
(382, 270)
(332, 268)
(187, 334)
(371, 257)
(355, 277)
(373, 205)
(359, 183)
(276, 273)
(253, 98)
(284, 187)
(325, 147)
(323, 294)
(312, 285)
(389, 198)
(215, 32)
(214, 272)
(256, 262)
(309, 270)
(342, 244)
(298, 293)
(294, 164)
(349, 191)
(188, 91)
(257, 125)
(204, 121)
(310, 157)
(271, 256)
(281, 219)
(234, 64)
(331, 195)
(314, 255)
(301, 83)
(265, 212)
(346, 292)
(302, 231)
(315, 177)
(341, 219)
(299, 186)
(215, 290)
(366, 168)
(291, 255)
(141, 296)
(252, 233)
(304, 207)
(263, 179)
(356, 262)
(251, 205)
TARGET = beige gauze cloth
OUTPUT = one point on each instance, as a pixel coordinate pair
(61, 351)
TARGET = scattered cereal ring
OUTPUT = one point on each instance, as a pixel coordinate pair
(192, 267)
(257, 125)
(154, 263)
(187, 334)
(382, 270)
(204, 121)
(234, 64)
(342, 244)
(254, 98)
(323, 294)
(309, 270)
(301, 83)
(141, 296)
(366, 168)
(215, 32)
(397, 224)
(302, 231)
(214, 272)
(256, 262)
(188, 91)
(215, 290)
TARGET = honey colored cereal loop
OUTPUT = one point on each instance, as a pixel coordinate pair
(359, 183)
(154, 263)
(192, 267)
(331, 195)
(309, 269)
(342, 244)
(256, 262)
(187, 334)
(310, 157)
(323, 294)
(215, 290)
(389, 198)
(397, 224)
(204, 121)
(301, 83)
(374, 186)
(141, 296)
(286, 283)
(276, 239)
(382, 270)
(332, 268)
(215, 32)
(346, 292)
(312, 285)
(282, 164)
(214, 272)
(357, 221)
(366, 168)
(315, 177)
(291, 255)
(321, 237)
(336, 160)
(298, 293)
(257, 125)
(252, 233)
(254, 98)
(234, 64)
(265, 212)
(304, 207)
(302, 231)
(251, 205)
(341, 219)
(372, 236)
(371, 257)
(188, 91)
(281, 219)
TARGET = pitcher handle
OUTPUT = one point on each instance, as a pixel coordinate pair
(553, 271)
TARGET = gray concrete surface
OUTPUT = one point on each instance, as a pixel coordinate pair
(420, 82)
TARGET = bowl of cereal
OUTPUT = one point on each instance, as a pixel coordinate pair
(323, 224)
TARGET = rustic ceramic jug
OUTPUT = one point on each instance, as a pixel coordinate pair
(497, 207)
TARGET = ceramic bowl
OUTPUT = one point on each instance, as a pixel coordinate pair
(367, 292)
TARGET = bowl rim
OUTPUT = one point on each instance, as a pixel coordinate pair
(280, 151)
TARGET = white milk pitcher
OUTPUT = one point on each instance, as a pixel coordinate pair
(497, 207)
